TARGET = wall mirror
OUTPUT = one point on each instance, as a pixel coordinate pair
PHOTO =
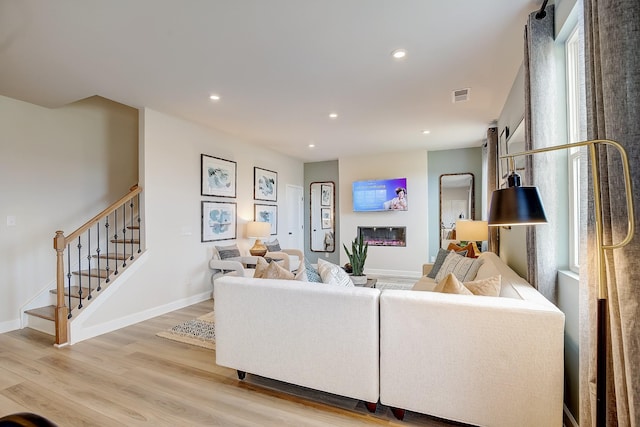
(322, 216)
(457, 201)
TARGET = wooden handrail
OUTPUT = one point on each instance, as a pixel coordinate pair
(132, 192)
(60, 243)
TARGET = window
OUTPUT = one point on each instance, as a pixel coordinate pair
(576, 130)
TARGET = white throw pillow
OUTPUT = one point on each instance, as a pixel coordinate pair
(465, 269)
(333, 274)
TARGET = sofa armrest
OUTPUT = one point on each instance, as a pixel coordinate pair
(426, 269)
(487, 360)
(286, 256)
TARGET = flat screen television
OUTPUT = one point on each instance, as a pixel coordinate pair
(380, 195)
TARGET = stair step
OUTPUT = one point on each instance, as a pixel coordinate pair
(94, 272)
(74, 291)
(117, 256)
(134, 241)
(133, 227)
(48, 312)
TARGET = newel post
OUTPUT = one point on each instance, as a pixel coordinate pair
(61, 309)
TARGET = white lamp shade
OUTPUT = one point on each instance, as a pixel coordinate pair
(472, 231)
(257, 229)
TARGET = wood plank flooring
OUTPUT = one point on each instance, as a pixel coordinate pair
(131, 377)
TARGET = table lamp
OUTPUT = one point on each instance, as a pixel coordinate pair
(517, 205)
(258, 230)
(472, 232)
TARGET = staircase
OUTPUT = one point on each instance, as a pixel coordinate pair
(88, 261)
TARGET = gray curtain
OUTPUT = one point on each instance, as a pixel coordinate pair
(612, 41)
(541, 124)
(490, 156)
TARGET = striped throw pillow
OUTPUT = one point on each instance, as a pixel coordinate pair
(464, 268)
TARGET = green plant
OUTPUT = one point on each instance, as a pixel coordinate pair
(357, 256)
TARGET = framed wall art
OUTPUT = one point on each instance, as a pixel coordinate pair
(266, 213)
(325, 214)
(218, 221)
(218, 176)
(326, 195)
(265, 185)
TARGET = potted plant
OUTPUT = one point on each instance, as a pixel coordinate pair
(357, 257)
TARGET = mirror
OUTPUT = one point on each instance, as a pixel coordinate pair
(322, 215)
(457, 201)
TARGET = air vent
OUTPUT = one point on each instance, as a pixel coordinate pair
(461, 95)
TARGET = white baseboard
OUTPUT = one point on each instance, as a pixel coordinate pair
(81, 334)
(9, 325)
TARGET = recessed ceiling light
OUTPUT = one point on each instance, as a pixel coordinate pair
(426, 132)
(214, 97)
(311, 145)
(399, 53)
(333, 115)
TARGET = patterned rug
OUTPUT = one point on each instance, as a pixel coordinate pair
(200, 332)
(403, 283)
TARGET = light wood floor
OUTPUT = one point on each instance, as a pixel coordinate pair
(131, 377)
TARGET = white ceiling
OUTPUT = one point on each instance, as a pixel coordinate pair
(280, 66)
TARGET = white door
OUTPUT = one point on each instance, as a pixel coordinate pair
(295, 218)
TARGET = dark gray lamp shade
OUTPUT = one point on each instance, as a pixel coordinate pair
(516, 206)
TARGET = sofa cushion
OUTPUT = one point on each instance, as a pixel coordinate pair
(451, 285)
(275, 271)
(465, 269)
(333, 274)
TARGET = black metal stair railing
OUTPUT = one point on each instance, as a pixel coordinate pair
(95, 269)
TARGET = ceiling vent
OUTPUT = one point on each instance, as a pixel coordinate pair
(461, 95)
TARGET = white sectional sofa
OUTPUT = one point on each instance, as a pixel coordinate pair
(325, 337)
(488, 361)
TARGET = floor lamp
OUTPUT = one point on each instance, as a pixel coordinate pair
(517, 205)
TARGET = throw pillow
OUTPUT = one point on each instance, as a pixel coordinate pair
(333, 274)
(261, 267)
(487, 287)
(312, 273)
(273, 246)
(227, 252)
(275, 271)
(451, 285)
(459, 249)
(465, 269)
(442, 254)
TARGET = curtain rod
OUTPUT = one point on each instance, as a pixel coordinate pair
(542, 13)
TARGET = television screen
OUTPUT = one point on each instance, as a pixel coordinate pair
(380, 195)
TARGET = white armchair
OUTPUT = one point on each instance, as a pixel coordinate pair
(292, 259)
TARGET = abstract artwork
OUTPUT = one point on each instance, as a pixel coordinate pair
(218, 176)
(267, 213)
(265, 184)
(218, 221)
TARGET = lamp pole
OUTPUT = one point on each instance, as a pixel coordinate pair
(601, 355)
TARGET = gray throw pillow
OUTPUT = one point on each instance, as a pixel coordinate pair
(227, 252)
(442, 254)
(273, 246)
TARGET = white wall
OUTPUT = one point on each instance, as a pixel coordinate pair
(58, 168)
(388, 260)
(175, 271)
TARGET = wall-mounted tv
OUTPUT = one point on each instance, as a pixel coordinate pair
(380, 195)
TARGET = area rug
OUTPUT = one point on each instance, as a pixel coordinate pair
(395, 283)
(200, 332)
